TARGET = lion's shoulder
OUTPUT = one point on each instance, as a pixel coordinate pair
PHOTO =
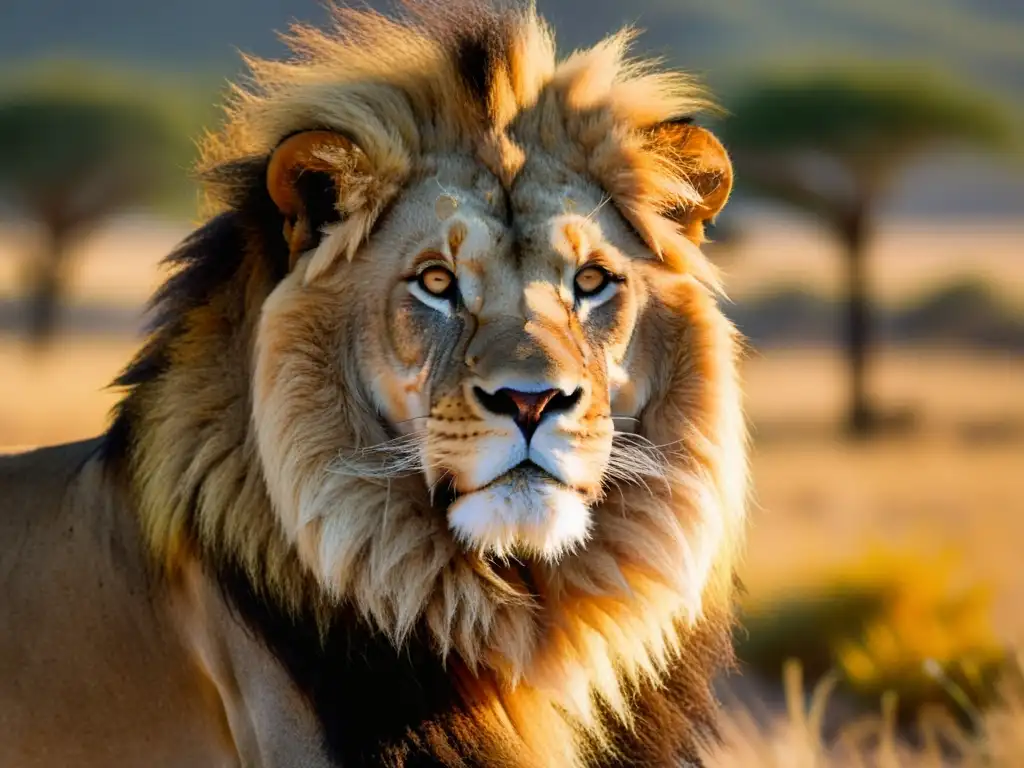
(92, 669)
(36, 482)
(60, 508)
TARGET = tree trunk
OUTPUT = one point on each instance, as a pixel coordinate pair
(860, 418)
(46, 289)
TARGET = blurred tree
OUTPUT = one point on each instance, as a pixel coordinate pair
(832, 143)
(71, 158)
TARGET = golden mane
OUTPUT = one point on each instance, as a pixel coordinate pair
(454, 75)
(622, 647)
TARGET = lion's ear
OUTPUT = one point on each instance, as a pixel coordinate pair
(303, 178)
(703, 161)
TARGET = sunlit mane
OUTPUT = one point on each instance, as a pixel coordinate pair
(397, 87)
(259, 433)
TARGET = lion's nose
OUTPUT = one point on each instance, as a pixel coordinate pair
(527, 408)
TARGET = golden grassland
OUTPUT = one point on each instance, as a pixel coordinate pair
(953, 482)
(953, 485)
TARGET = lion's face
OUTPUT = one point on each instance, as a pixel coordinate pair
(480, 336)
(493, 332)
(497, 344)
(493, 395)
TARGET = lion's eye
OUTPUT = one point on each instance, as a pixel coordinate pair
(436, 281)
(591, 280)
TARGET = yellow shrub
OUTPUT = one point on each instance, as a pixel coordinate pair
(886, 622)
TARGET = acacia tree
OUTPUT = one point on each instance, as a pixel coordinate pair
(68, 161)
(832, 143)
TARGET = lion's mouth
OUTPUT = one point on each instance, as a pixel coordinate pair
(519, 479)
(521, 475)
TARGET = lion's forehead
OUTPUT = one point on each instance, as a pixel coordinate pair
(514, 251)
(544, 190)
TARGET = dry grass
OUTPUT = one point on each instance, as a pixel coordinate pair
(947, 388)
(795, 739)
(884, 622)
(953, 483)
(951, 487)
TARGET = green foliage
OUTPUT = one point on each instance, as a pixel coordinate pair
(967, 310)
(829, 141)
(62, 122)
(859, 112)
(47, 139)
(186, 104)
(885, 623)
(807, 627)
(963, 311)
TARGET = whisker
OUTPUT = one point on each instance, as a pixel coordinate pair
(648, 444)
(634, 459)
(604, 201)
(433, 486)
(397, 457)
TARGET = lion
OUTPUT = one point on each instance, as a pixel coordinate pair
(435, 453)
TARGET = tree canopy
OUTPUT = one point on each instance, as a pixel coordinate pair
(793, 134)
(92, 135)
(77, 151)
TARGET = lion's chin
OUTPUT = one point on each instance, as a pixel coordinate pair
(522, 512)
